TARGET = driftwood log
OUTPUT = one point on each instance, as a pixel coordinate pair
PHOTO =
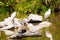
(34, 21)
(26, 34)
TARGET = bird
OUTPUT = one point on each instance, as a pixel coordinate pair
(10, 19)
(41, 25)
(17, 23)
(47, 13)
(49, 35)
(13, 15)
(8, 22)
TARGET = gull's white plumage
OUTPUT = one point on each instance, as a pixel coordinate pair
(9, 20)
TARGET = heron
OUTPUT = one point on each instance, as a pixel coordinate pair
(49, 35)
(13, 15)
(8, 22)
(47, 13)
